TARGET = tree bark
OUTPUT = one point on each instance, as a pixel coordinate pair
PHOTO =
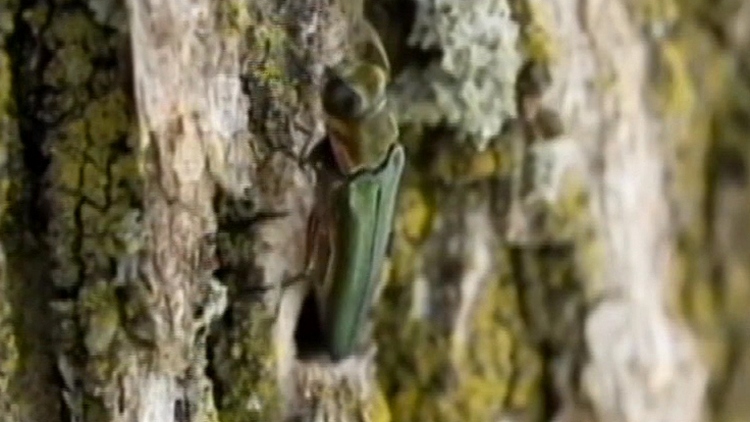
(569, 243)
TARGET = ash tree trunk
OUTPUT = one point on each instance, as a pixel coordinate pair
(568, 243)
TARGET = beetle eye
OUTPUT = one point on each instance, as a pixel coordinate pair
(340, 100)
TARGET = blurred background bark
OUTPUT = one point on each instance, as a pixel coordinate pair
(570, 243)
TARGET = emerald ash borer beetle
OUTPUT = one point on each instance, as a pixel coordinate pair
(349, 234)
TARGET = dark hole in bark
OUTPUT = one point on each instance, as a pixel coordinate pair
(26, 229)
(212, 341)
(182, 410)
(553, 331)
(308, 335)
(32, 129)
(551, 397)
(731, 167)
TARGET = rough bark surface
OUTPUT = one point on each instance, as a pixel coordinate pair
(643, 363)
(570, 243)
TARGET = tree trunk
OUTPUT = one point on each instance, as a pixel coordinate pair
(569, 243)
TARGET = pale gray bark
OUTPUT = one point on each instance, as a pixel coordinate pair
(644, 363)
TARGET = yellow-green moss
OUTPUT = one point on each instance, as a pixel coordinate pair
(233, 17)
(271, 70)
(485, 368)
(415, 218)
(426, 377)
(675, 89)
(246, 365)
(100, 316)
(458, 164)
(535, 17)
(655, 12)
(379, 410)
(425, 380)
(412, 367)
(467, 167)
(568, 215)
(5, 85)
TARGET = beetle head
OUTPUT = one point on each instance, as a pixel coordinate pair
(354, 93)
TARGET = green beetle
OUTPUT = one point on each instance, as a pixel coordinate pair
(350, 232)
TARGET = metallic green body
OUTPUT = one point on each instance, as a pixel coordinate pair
(349, 232)
(363, 218)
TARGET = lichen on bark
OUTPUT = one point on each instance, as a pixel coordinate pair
(77, 116)
(509, 282)
(470, 83)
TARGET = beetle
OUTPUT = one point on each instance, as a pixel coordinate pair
(348, 235)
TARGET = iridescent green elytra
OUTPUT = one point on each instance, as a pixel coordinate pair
(364, 139)
(364, 208)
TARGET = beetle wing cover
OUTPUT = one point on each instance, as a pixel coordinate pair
(365, 207)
